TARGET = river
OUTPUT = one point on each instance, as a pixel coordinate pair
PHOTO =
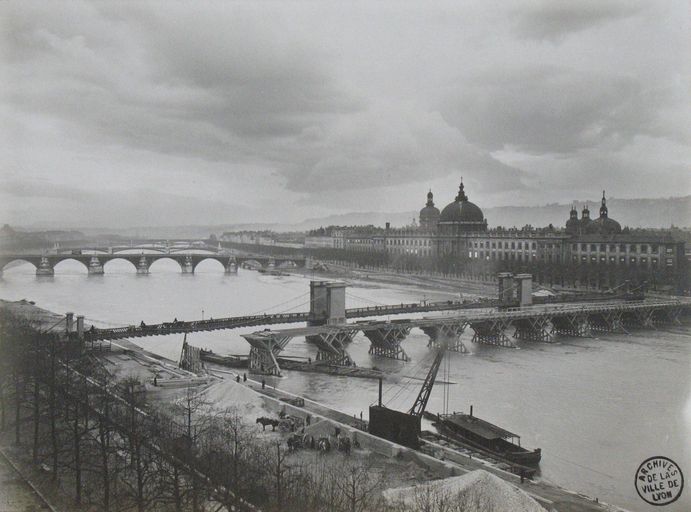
(597, 407)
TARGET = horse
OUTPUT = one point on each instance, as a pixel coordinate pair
(323, 444)
(267, 421)
(308, 441)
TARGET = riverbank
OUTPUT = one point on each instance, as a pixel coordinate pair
(148, 367)
(428, 285)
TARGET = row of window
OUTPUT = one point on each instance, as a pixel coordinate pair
(621, 259)
(411, 242)
(621, 247)
(416, 252)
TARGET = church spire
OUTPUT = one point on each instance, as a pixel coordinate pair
(430, 198)
(461, 193)
(603, 208)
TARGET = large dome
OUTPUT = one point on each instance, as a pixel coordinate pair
(604, 224)
(607, 226)
(462, 210)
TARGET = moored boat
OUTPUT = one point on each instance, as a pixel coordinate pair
(485, 436)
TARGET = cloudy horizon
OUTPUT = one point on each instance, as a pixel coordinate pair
(160, 113)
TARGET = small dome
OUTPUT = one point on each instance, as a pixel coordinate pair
(429, 215)
(462, 210)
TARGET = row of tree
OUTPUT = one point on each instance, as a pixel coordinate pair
(110, 450)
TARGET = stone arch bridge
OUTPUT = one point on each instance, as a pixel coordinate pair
(45, 263)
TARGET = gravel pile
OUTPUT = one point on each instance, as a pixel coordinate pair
(228, 393)
(476, 491)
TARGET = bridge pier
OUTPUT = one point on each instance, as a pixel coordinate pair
(143, 266)
(45, 268)
(670, 315)
(265, 346)
(95, 267)
(231, 267)
(576, 325)
(331, 347)
(533, 329)
(450, 332)
(607, 321)
(386, 341)
(640, 318)
(187, 265)
(491, 332)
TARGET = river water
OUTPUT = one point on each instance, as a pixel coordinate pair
(597, 407)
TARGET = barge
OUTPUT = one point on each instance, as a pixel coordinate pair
(486, 437)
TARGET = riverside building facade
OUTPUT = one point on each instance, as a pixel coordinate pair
(585, 253)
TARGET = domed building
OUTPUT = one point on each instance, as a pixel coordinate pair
(603, 224)
(573, 224)
(461, 216)
(586, 223)
(429, 215)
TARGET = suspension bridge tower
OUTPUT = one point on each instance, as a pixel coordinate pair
(327, 303)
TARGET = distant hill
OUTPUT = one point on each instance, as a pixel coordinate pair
(644, 213)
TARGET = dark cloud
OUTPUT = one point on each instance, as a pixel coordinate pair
(553, 20)
(299, 106)
(228, 86)
(550, 109)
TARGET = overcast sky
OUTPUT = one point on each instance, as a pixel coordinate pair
(159, 113)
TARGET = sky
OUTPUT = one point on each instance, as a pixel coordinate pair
(118, 114)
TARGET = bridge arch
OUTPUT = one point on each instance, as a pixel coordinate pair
(222, 261)
(61, 260)
(177, 260)
(120, 258)
(7, 262)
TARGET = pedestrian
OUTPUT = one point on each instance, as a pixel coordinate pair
(244, 377)
(237, 378)
(155, 380)
(263, 383)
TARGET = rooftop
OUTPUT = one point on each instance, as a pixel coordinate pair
(479, 427)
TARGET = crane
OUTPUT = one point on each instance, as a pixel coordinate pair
(421, 401)
(404, 427)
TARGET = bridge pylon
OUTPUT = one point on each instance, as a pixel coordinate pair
(491, 332)
(45, 268)
(95, 266)
(449, 332)
(533, 329)
(607, 321)
(265, 347)
(331, 346)
(143, 265)
(575, 325)
(386, 341)
(187, 265)
(231, 267)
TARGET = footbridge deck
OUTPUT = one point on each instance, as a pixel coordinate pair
(489, 326)
(216, 324)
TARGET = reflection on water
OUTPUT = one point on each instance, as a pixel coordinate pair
(597, 407)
